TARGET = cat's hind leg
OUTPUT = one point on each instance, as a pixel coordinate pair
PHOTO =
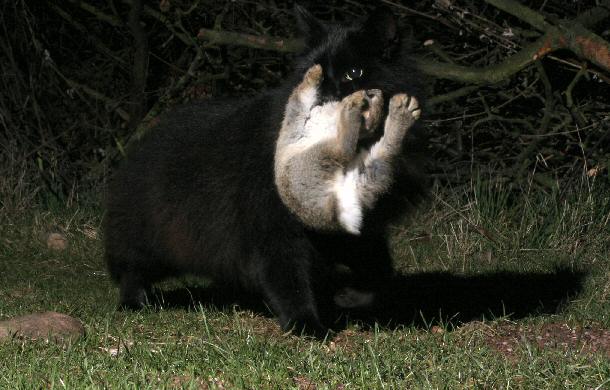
(373, 113)
(135, 270)
(360, 113)
(348, 126)
(290, 282)
(375, 172)
(135, 291)
(134, 284)
(303, 98)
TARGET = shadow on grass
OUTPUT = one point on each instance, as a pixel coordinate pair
(423, 299)
(427, 299)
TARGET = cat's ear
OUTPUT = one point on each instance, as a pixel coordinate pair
(310, 29)
(381, 30)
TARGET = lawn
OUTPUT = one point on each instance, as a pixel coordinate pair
(502, 288)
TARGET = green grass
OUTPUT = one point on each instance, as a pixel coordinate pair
(462, 235)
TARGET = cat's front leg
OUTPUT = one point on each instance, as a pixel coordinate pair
(373, 113)
(372, 172)
(348, 126)
(360, 114)
(305, 95)
(403, 112)
(298, 107)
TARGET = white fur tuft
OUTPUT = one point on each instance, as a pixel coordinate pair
(377, 151)
(319, 127)
(348, 203)
(308, 97)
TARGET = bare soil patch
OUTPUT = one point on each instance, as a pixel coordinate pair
(509, 339)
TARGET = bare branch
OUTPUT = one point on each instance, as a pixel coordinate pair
(110, 19)
(453, 95)
(591, 17)
(576, 38)
(522, 12)
(254, 41)
(187, 40)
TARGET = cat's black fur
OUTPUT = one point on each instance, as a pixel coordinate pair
(197, 194)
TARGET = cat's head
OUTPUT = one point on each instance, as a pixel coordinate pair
(365, 55)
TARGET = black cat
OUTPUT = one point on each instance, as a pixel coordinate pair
(197, 194)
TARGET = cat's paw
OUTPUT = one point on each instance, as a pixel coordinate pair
(307, 91)
(403, 112)
(364, 110)
(373, 112)
(314, 76)
(350, 298)
(404, 109)
(355, 102)
(351, 113)
(306, 327)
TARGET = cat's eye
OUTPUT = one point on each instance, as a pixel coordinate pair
(353, 74)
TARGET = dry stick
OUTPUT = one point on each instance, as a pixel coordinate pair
(416, 12)
(549, 99)
(576, 114)
(149, 119)
(93, 93)
(569, 35)
(435, 48)
(594, 15)
(483, 232)
(587, 45)
(522, 12)
(83, 30)
(110, 19)
(574, 37)
(578, 66)
(453, 95)
(186, 39)
(522, 161)
(254, 41)
(498, 118)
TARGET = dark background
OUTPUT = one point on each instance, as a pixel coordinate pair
(79, 78)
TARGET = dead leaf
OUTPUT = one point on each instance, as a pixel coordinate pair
(57, 241)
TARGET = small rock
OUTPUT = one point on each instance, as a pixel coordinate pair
(57, 241)
(437, 330)
(119, 348)
(48, 326)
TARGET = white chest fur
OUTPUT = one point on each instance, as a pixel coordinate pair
(321, 124)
